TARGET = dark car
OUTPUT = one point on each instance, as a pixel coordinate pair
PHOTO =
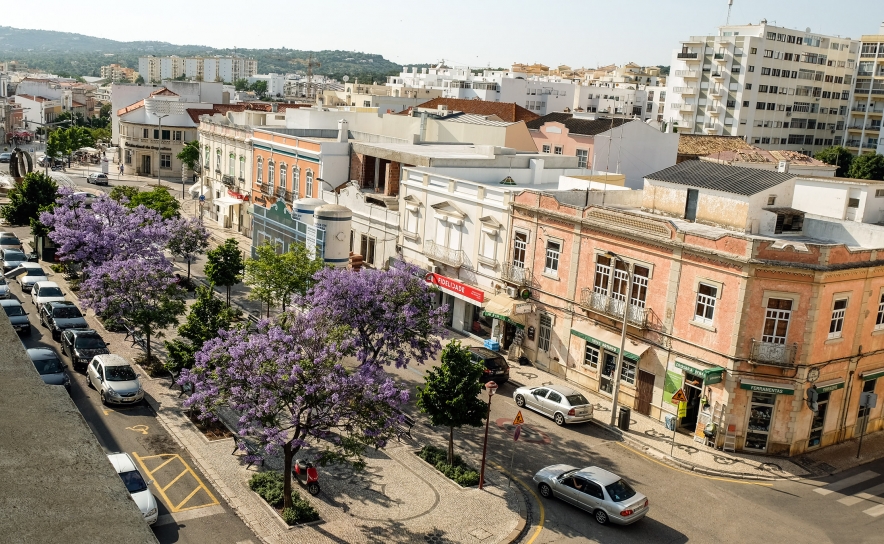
(17, 315)
(97, 178)
(12, 258)
(10, 242)
(61, 315)
(496, 368)
(81, 345)
(50, 367)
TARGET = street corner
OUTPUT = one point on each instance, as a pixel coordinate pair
(528, 433)
(179, 487)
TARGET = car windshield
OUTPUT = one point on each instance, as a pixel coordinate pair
(495, 363)
(14, 310)
(2, 280)
(577, 400)
(36, 272)
(89, 342)
(9, 241)
(134, 482)
(51, 292)
(119, 373)
(620, 491)
(13, 256)
(48, 366)
(66, 312)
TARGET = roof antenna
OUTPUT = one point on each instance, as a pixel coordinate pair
(729, 4)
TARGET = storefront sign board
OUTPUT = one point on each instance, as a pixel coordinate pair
(523, 308)
(603, 344)
(710, 375)
(456, 288)
(872, 374)
(764, 387)
(828, 387)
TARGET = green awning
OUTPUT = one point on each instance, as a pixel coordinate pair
(767, 387)
(503, 318)
(710, 375)
(829, 385)
(501, 307)
(872, 374)
(606, 340)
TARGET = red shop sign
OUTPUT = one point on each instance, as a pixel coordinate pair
(456, 287)
(237, 195)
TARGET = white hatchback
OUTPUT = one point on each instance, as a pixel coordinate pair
(46, 291)
(136, 485)
(115, 380)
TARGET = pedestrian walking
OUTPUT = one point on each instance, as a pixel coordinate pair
(121, 169)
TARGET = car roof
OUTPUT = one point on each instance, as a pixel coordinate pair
(122, 462)
(46, 284)
(484, 352)
(111, 359)
(78, 332)
(599, 475)
(563, 389)
(58, 303)
(10, 302)
(31, 265)
(38, 354)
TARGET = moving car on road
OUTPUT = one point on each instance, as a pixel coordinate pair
(12, 258)
(46, 291)
(136, 485)
(115, 380)
(17, 315)
(560, 402)
(82, 345)
(603, 494)
(60, 316)
(50, 367)
(496, 368)
(97, 178)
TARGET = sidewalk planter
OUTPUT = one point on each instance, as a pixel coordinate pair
(269, 486)
(460, 472)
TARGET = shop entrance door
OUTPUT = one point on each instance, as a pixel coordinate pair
(606, 383)
(693, 390)
(145, 165)
(645, 392)
(509, 332)
(862, 415)
(761, 410)
(819, 419)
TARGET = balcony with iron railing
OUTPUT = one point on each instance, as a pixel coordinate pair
(685, 90)
(773, 354)
(852, 143)
(718, 56)
(613, 307)
(687, 55)
(442, 254)
(227, 180)
(687, 74)
(718, 75)
(516, 274)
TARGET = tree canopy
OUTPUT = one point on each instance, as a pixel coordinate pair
(836, 156)
(36, 193)
(275, 277)
(206, 317)
(225, 266)
(159, 200)
(867, 166)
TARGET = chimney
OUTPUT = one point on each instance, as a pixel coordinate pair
(783, 167)
(273, 107)
(423, 133)
(343, 130)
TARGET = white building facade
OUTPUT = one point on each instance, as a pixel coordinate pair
(867, 109)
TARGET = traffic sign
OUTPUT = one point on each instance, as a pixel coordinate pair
(679, 396)
(519, 420)
(202, 198)
(682, 409)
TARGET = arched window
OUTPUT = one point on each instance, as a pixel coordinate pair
(242, 167)
(296, 181)
(231, 164)
(282, 175)
(270, 168)
(308, 190)
(260, 170)
(206, 157)
(218, 159)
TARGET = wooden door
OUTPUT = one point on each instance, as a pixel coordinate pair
(645, 392)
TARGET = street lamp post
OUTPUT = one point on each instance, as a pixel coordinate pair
(615, 391)
(159, 142)
(491, 387)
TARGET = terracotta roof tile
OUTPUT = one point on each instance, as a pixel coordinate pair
(507, 111)
(130, 107)
(588, 127)
(757, 155)
(700, 144)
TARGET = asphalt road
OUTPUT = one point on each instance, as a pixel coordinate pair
(190, 509)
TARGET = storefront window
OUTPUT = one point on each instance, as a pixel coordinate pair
(761, 409)
(627, 371)
(819, 419)
(475, 323)
(591, 357)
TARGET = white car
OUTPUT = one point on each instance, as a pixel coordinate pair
(601, 493)
(562, 403)
(46, 291)
(115, 380)
(136, 485)
(27, 274)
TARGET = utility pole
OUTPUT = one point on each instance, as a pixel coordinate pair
(159, 142)
(617, 369)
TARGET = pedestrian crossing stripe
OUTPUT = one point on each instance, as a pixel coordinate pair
(519, 420)
(869, 494)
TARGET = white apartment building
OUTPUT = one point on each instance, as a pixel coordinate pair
(222, 69)
(777, 87)
(866, 110)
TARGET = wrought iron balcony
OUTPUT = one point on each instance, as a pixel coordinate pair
(771, 354)
(614, 307)
(227, 180)
(516, 274)
(442, 254)
(687, 55)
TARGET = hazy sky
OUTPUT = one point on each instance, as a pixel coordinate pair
(475, 32)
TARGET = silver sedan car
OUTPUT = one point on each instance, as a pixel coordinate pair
(560, 402)
(605, 495)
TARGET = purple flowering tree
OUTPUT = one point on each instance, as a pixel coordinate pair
(286, 381)
(187, 239)
(390, 312)
(106, 230)
(141, 290)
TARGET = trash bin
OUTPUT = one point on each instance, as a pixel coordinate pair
(623, 418)
(670, 420)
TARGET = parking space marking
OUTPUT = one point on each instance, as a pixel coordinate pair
(161, 489)
(138, 428)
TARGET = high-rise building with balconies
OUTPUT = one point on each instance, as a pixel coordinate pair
(867, 108)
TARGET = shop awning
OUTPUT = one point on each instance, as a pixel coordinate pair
(710, 375)
(829, 385)
(197, 189)
(871, 374)
(503, 307)
(227, 201)
(767, 387)
(609, 340)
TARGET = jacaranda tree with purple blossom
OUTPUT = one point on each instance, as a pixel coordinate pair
(187, 239)
(287, 382)
(390, 312)
(140, 290)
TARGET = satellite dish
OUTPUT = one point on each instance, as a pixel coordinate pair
(346, 79)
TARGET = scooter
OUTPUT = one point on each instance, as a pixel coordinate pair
(305, 472)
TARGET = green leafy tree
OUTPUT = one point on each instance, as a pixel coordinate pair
(241, 84)
(36, 193)
(262, 275)
(296, 271)
(58, 144)
(450, 396)
(123, 191)
(836, 156)
(190, 154)
(100, 133)
(207, 316)
(160, 200)
(225, 266)
(139, 80)
(80, 137)
(259, 88)
(868, 166)
(105, 110)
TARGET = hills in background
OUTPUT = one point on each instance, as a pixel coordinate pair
(70, 54)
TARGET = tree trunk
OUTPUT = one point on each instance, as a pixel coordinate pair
(188, 271)
(288, 455)
(268, 309)
(228, 296)
(450, 445)
(147, 345)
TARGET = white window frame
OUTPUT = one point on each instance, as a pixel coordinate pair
(546, 148)
(308, 184)
(166, 161)
(488, 244)
(879, 321)
(282, 175)
(231, 164)
(553, 257)
(591, 356)
(628, 365)
(582, 160)
(519, 247)
(218, 159)
(836, 323)
(706, 300)
(242, 167)
(558, 150)
(777, 315)
(259, 175)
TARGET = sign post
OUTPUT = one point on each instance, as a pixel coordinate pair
(518, 421)
(867, 400)
(680, 400)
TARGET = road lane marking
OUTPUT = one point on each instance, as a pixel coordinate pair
(691, 472)
(866, 494)
(875, 511)
(173, 508)
(536, 498)
(166, 519)
(846, 482)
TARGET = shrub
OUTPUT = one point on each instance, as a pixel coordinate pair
(269, 486)
(300, 512)
(460, 472)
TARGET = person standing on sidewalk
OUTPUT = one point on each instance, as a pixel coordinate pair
(121, 169)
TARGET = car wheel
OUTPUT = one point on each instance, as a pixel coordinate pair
(88, 380)
(520, 401)
(545, 490)
(559, 419)
(104, 402)
(600, 516)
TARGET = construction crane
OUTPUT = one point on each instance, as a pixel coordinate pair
(310, 64)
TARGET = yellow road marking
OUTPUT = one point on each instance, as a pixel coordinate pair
(175, 480)
(138, 428)
(635, 451)
(187, 470)
(530, 490)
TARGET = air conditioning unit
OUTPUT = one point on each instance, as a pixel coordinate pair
(437, 269)
(512, 292)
